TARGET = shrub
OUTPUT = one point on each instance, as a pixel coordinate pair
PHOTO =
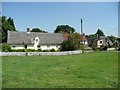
(52, 50)
(39, 50)
(31, 50)
(6, 47)
(118, 48)
(45, 50)
(70, 45)
(105, 48)
(20, 50)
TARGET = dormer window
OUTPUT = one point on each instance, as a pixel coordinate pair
(36, 40)
(100, 42)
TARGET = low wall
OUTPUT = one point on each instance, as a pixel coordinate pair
(38, 53)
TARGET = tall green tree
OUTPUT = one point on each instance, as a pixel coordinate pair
(37, 30)
(7, 24)
(112, 38)
(64, 29)
(100, 33)
(73, 43)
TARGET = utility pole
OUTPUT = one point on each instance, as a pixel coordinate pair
(82, 36)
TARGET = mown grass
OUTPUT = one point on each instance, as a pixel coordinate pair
(88, 70)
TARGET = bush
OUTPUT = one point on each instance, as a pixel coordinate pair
(105, 48)
(6, 47)
(52, 50)
(70, 45)
(39, 50)
(45, 50)
(20, 50)
(31, 50)
(118, 48)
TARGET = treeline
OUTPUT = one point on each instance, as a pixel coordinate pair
(8, 24)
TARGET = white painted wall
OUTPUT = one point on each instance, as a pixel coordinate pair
(43, 47)
(99, 44)
(85, 42)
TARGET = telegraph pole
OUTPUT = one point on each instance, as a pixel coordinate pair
(82, 36)
(81, 27)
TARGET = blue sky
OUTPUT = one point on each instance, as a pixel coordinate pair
(48, 15)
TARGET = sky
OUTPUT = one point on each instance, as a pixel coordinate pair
(48, 15)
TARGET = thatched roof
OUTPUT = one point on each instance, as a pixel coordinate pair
(25, 38)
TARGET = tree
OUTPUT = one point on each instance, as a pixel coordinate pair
(7, 24)
(64, 29)
(73, 43)
(37, 30)
(112, 38)
(100, 33)
(91, 36)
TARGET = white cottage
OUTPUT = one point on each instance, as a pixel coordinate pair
(34, 40)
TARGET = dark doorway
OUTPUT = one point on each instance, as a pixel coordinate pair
(25, 46)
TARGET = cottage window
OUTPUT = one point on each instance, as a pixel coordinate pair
(48, 46)
(38, 46)
(25, 46)
(36, 40)
(13, 46)
(100, 42)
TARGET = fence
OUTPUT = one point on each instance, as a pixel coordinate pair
(39, 53)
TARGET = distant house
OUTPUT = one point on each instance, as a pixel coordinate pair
(34, 40)
(100, 41)
(83, 39)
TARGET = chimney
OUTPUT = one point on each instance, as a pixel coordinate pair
(97, 36)
(28, 30)
(83, 34)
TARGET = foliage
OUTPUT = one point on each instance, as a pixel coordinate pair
(73, 43)
(37, 30)
(92, 36)
(102, 48)
(112, 38)
(52, 50)
(18, 50)
(118, 48)
(45, 50)
(88, 70)
(31, 50)
(70, 44)
(64, 29)
(100, 33)
(7, 24)
(6, 47)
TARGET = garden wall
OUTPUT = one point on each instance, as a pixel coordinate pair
(39, 53)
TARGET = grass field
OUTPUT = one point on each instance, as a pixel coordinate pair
(88, 70)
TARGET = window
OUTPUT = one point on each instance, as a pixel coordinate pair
(36, 40)
(38, 46)
(25, 46)
(48, 46)
(13, 46)
(100, 42)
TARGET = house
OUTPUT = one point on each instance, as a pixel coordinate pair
(100, 41)
(34, 40)
(83, 39)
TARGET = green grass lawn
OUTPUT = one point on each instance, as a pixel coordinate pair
(88, 70)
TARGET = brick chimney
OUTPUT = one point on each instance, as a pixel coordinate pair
(28, 30)
(83, 34)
